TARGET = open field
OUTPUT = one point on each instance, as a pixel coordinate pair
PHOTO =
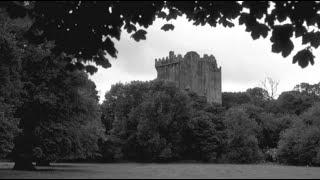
(182, 170)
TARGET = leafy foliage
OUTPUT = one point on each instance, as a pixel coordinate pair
(242, 144)
(207, 136)
(304, 57)
(73, 129)
(294, 102)
(156, 121)
(230, 99)
(247, 128)
(258, 96)
(8, 130)
(89, 22)
(271, 128)
(55, 108)
(10, 84)
(161, 120)
(139, 35)
(310, 89)
(149, 118)
(67, 109)
(300, 144)
(167, 27)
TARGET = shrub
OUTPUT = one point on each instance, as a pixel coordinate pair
(300, 144)
(242, 145)
(206, 137)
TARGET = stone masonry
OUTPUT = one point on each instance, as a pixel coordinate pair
(192, 72)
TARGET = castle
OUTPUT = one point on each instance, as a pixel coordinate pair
(192, 72)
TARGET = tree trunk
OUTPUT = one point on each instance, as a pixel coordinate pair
(24, 164)
(22, 152)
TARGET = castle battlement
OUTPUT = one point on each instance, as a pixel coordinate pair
(176, 59)
(171, 59)
(199, 74)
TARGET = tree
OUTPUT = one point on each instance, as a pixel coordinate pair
(66, 102)
(73, 126)
(65, 21)
(294, 102)
(162, 119)
(271, 128)
(269, 124)
(115, 111)
(309, 89)
(242, 145)
(271, 86)
(151, 128)
(120, 100)
(206, 136)
(230, 99)
(258, 96)
(299, 145)
(67, 109)
(161, 123)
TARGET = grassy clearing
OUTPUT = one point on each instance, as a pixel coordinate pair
(181, 170)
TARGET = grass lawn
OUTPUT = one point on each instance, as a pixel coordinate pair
(181, 170)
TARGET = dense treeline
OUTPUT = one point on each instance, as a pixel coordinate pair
(156, 122)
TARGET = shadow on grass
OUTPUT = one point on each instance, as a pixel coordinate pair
(59, 166)
(54, 168)
(61, 170)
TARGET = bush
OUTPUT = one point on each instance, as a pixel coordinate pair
(243, 150)
(110, 149)
(206, 137)
(271, 155)
(242, 145)
(271, 127)
(300, 144)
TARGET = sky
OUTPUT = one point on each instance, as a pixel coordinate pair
(245, 62)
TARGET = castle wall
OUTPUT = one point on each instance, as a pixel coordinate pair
(192, 72)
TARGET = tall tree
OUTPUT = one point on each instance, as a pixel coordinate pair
(66, 124)
(73, 126)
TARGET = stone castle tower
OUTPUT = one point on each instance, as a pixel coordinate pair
(192, 72)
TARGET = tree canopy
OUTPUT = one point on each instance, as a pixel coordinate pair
(86, 29)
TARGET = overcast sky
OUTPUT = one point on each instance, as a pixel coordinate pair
(245, 62)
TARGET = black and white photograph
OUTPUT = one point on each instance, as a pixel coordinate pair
(159, 89)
